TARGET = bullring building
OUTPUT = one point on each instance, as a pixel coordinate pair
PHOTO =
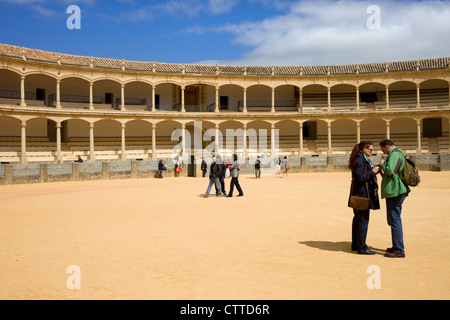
(55, 107)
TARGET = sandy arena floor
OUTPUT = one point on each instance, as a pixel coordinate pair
(159, 239)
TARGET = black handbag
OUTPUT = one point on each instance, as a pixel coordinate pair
(357, 202)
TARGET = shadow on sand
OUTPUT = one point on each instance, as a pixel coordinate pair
(342, 246)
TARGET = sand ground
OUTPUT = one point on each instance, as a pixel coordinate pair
(159, 239)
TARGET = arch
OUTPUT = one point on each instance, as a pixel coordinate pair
(40, 89)
(434, 93)
(78, 76)
(10, 126)
(138, 95)
(232, 95)
(287, 97)
(108, 92)
(138, 128)
(40, 72)
(259, 96)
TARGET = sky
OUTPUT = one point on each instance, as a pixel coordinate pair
(232, 32)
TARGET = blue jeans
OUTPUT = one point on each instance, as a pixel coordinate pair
(211, 182)
(394, 220)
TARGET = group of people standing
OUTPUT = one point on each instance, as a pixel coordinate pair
(217, 173)
(364, 181)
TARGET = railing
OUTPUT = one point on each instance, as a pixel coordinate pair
(11, 94)
(74, 99)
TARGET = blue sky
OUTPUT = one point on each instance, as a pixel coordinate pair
(238, 32)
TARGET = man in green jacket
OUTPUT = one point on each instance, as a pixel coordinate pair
(395, 192)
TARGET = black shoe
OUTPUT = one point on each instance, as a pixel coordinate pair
(229, 196)
(394, 255)
(240, 195)
(367, 251)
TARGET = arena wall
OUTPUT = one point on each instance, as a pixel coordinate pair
(55, 107)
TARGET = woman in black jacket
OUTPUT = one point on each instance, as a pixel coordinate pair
(363, 172)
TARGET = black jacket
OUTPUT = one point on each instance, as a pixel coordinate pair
(362, 172)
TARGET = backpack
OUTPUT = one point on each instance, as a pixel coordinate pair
(409, 175)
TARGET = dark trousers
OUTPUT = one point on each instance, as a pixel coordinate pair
(222, 186)
(235, 181)
(360, 226)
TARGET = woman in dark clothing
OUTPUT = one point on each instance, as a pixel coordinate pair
(362, 172)
(234, 171)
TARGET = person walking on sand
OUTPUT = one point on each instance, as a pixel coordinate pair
(395, 192)
(364, 184)
(214, 175)
(204, 167)
(285, 165)
(234, 171)
(221, 163)
(278, 166)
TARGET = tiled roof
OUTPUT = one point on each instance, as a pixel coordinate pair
(16, 52)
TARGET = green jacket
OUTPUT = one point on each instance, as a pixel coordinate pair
(391, 185)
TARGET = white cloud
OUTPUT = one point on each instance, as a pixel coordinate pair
(335, 32)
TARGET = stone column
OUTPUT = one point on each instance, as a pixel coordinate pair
(58, 94)
(217, 100)
(22, 92)
(329, 99)
(300, 104)
(388, 129)
(124, 155)
(23, 142)
(419, 143)
(153, 98)
(273, 100)
(91, 96)
(58, 142)
(300, 152)
(91, 143)
(216, 141)
(154, 141)
(387, 97)
(418, 95)
(122, 97)
(358, 132)
(183, 141)
(182, 99)
(245, 100)
(272, 140)
(244, 128)
(330, 151)
(357, 99)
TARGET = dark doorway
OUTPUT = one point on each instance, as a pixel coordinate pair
(40, 95)
(192, 167)
(223, 102)
(432, 127)
(109, 98)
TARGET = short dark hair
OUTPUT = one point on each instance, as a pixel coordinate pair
(386, 142)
